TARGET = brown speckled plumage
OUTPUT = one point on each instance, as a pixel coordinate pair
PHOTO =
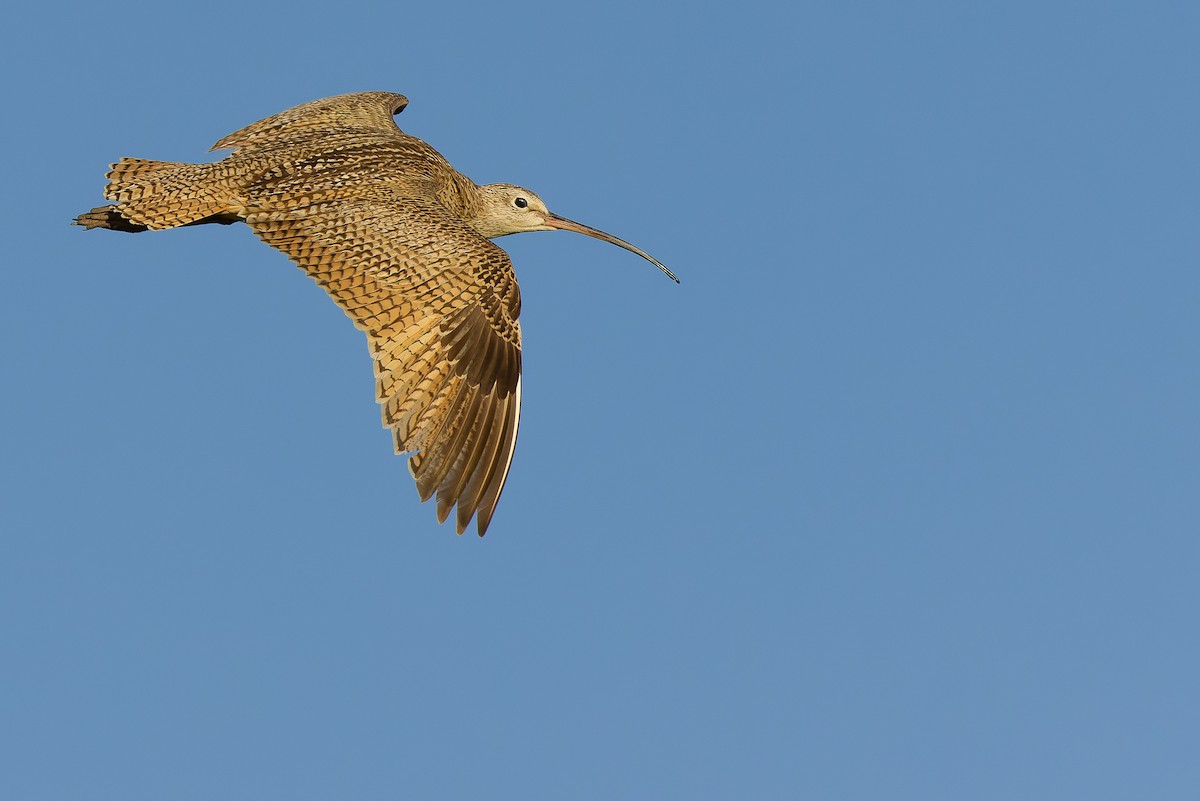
(399, 240)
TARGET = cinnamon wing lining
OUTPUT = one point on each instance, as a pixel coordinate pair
(439, 305)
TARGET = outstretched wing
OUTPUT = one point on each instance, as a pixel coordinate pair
(439, 304)
(362, 111)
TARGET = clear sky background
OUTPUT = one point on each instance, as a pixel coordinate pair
(896, 496)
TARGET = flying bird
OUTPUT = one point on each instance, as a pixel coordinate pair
(401, 241)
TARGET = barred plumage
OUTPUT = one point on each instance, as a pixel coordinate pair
(401, 242)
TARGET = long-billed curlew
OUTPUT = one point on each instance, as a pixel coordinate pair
(400, 240)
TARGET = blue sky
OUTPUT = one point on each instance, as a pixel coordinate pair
(894, 496)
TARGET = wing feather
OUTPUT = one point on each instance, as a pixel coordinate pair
(494, 455)
(363, 110)
(439, 305)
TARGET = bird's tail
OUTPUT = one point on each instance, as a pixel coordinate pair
(152, 195)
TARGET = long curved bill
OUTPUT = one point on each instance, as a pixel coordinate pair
(562, 223)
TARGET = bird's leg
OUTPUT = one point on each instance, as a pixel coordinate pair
(109, 217)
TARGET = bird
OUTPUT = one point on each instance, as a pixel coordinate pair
(401, 241)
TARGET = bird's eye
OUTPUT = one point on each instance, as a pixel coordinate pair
(520, 203)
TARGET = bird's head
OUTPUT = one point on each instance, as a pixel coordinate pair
(510, 209)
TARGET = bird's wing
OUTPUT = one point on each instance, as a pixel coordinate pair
(362, 111)
(439, 305)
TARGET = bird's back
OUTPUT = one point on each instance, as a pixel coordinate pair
(339, 148)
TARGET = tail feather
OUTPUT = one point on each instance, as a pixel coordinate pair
(159, 194)
(128, 171)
